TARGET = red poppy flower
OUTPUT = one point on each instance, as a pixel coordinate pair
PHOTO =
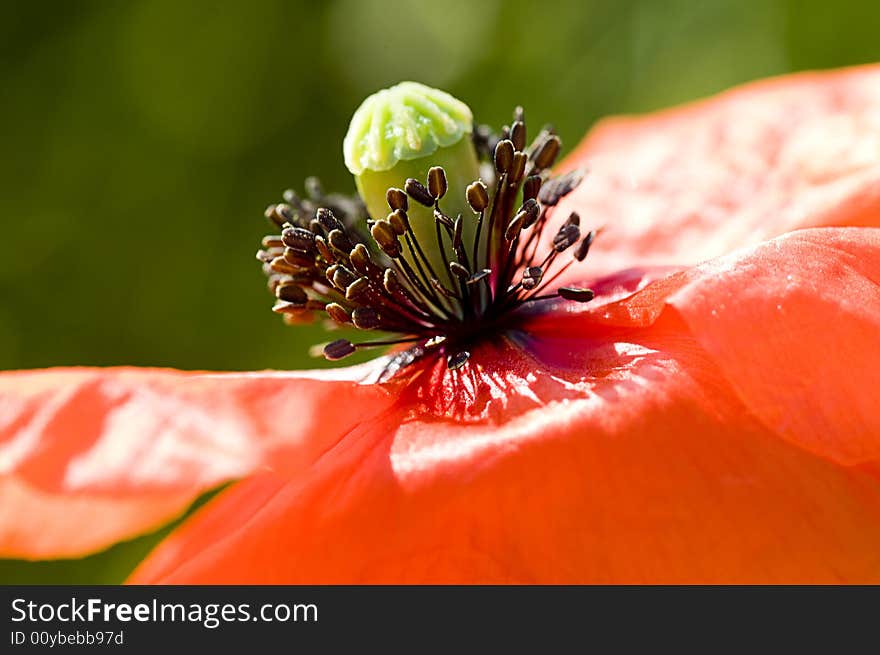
(711, 416)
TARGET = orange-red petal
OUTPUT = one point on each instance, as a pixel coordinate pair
(632, 447)
(92, 456)
(805, 306)
(691, 183)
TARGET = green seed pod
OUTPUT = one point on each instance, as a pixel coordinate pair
(401, 133)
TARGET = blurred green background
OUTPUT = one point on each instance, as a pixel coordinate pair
(142, 140)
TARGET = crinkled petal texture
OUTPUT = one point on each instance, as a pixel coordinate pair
(691, 183)
(719, 424)
(89, 457)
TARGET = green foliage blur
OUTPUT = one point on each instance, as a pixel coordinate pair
(143, 139)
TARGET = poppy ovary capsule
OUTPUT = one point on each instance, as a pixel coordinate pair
(400, 138)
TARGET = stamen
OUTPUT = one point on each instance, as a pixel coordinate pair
(567, 236)
(578, 295)
(548, 152)
(396, 199)
(503, 155)
(457, 360)
(366, 318)
(532, 277)
(531, 187)
(339, 349)
(338, 313)
(518, 135)
(583, 247)
(478, 196)
(437, 184)
(554, 189)
(376, 274)
(417, 191)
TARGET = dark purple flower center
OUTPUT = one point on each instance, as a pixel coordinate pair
(375, 274)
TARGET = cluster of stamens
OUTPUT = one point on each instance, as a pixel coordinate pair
(323, 262)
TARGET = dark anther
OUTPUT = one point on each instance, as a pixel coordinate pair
(399, 221)
(517, 167)
(341, 277)
(573, 219)
(272, 241)
(437, 184)
(390, 282)
(285, 307)
(417, 191)
(566, 237)
(531, 187)
(532, 211)
(297, 237)
(337, 313)
(583, 247)
(457, 360)
(477, 196)
(397, 199)
(518, 134)
(384, 235)
(339, 240)
(328, 220)
(296, 257)
(360, 259)
(555, 189)
(338, 349)
(576, 294)
(358, 289)
(291, 292)
(503, 155)
(548, 152)
(365, 318)
(459, 271)
(532, 277)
